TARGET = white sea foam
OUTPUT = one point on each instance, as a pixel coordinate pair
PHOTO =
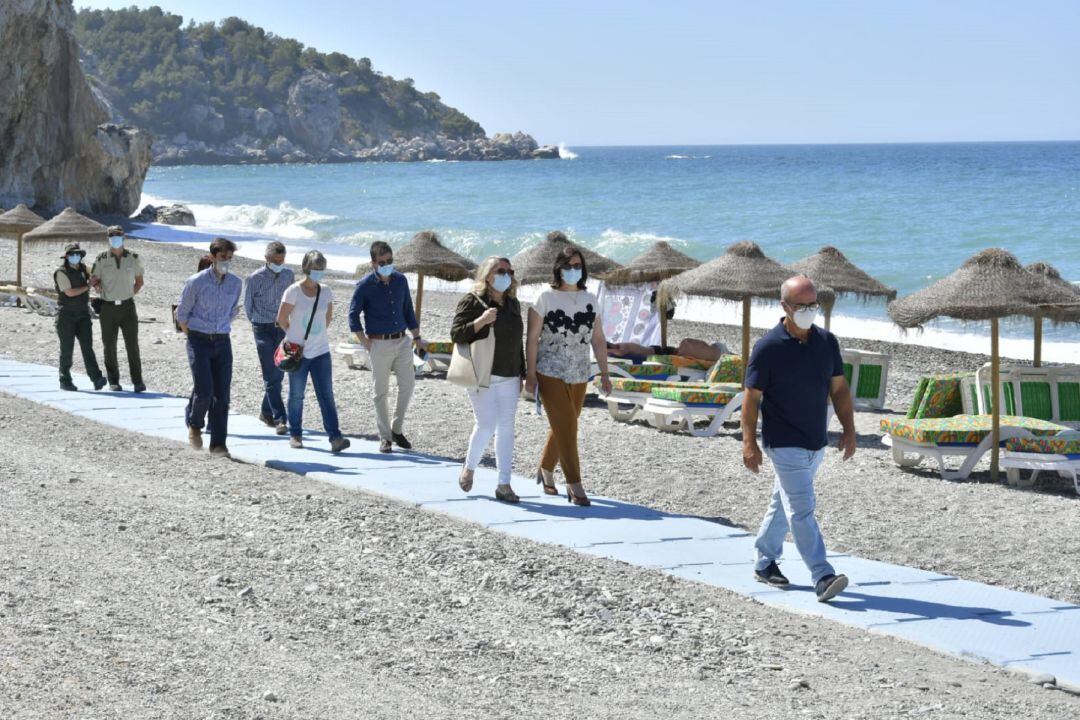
(566, 153)
(284, 221)
(687, 157)
(628, 244)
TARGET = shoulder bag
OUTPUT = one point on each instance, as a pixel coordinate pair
(470, 364)
(289, 355)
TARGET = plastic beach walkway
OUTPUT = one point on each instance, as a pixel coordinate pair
(966, 619)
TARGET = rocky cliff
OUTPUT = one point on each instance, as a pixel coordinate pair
(57, 147)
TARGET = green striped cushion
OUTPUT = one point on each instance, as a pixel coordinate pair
(1069, 401)
(869, 382)
(1035, 397)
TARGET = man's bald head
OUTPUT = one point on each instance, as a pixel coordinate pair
(798, 290)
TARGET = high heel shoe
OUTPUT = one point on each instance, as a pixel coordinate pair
(542, 478)
(572, 495)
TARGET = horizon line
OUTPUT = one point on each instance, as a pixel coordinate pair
(817, 143)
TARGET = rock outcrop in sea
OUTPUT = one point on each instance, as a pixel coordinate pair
(57, 146)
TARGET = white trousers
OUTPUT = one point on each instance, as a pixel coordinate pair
(495, 408)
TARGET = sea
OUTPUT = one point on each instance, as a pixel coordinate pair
(908, 214)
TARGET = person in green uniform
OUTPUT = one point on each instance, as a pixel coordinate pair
(118, 276)
(73, 287)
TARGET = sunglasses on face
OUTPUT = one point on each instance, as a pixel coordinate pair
(384, 263)
(574, 265)
(504, 271)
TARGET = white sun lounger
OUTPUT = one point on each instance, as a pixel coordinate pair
(674, 416)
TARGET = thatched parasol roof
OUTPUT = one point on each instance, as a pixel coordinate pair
(742, 271)
(69, 225)
(831, 267)
(426, 255)
(19, 219)
(659, 262)
(1058, 312)
(534, 264)
(990, 284)
(1050, 273)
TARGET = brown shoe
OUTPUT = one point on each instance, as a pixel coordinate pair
(547, 479)
(296, 443)
(194, 438)
(465, 479)
(576, 494)
(220, 451)
(506, 494)
(339, 443)
(386, 447)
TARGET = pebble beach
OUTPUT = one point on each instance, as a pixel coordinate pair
(214, 589)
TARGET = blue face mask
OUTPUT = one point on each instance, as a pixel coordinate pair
(386, 270)
(275, 268)
(116, 241)
(571, 275)
(74, 259)
(316, 275)
(501, 283)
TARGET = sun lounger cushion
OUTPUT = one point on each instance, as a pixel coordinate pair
(1069, 401)
(440, 347)
(1045, 445)
(651, 370)
(683, 363)
(717, 395)
(961, 429)
(728, 369)
(636, 385)
(937, 396)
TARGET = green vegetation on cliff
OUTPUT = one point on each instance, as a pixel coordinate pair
(213, 81)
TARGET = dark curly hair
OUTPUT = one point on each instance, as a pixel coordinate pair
(562, 260)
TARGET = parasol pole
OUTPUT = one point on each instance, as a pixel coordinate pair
(828, 318)
(661, 305)
(995, 393)
(1037, 362)
(18, 261)
(419, 294)
(745, 333)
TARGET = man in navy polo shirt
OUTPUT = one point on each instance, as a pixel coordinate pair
(794, 371)
(382, 297)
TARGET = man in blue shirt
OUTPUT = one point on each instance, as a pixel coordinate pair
(262, 298)
(382, 296)
(208, 303)
(794, 371)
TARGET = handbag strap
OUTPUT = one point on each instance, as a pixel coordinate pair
(314, 309)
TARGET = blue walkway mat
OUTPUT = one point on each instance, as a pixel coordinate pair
(965, 619)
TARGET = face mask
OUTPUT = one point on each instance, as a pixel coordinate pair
(275, 268)
(74, 259)
(804, 318)
(386, 270)
(222, 266)
(116, 241)
(571, 276)
(316, 275)
(501, 283)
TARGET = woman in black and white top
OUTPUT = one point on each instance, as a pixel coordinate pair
(492, 306)
(562, 329)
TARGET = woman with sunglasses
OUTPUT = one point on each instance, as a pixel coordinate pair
(563, 328)
(492, 306)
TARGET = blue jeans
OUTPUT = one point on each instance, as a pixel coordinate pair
(210, 359)
(267, 338)
(322, 378)
(792, 506)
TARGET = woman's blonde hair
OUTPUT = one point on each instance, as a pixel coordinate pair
(489, 264)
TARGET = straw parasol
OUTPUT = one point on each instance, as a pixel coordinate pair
(742, 273)
(69, 226)
(534, 265)
(988, 286)
(1053, 276)
(831, 267)
(425, 255)
(659, 262)
(18, 221)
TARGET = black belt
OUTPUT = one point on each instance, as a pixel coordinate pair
(129, 301)
(265, 324)
(388, 336)
(208, 336)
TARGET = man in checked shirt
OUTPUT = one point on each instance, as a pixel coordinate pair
(262, 298)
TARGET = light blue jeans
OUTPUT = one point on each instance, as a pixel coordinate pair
(792, 506)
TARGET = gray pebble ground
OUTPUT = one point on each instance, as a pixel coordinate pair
(139, 578)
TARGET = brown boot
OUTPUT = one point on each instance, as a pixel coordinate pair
(194, 436)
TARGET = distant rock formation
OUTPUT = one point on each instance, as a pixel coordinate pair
(57, 147)
(175, 214)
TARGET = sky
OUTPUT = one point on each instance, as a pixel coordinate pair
(633, 72)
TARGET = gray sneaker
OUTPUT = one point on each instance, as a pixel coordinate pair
(339, 443)
(830, 586)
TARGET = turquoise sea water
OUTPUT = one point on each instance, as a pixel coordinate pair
(908, 214)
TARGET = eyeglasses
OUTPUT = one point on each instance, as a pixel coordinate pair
(574, 265)
(504, 271)
(384, 263)
(812, 307)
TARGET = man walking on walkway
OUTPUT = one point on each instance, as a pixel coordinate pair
(208, 303)
(118, 276)
(382, 296)
(794, 370)
(262, 298)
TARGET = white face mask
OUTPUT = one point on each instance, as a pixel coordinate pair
(804, 318)
(116, 241)
(501, 283)
(222, 266)
(74, 259)
(275, 268)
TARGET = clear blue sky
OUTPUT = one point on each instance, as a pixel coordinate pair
(635, 72)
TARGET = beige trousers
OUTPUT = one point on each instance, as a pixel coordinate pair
(392, 356)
